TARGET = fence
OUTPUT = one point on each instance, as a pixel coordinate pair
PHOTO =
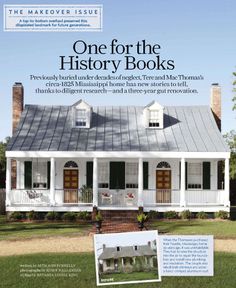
(2, 201)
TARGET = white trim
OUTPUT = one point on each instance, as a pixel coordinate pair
(118, 154)
(182, 183)
(140, 182)
(52, 182)
(95, 182)
(8, 181)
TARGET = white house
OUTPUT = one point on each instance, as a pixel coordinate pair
(154, 157)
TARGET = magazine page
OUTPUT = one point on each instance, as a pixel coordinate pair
(117, 143)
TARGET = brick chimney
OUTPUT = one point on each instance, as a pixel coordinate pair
(17, 104)
(216, 103)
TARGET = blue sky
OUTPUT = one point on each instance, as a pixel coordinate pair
(198, 35)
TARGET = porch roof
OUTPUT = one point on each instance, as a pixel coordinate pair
(117, 128)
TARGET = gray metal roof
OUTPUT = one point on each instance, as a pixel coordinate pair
(126, 251)
(49, 128)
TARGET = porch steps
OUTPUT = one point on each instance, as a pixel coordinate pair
(117, 226)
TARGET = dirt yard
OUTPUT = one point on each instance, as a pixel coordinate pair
(75, 244)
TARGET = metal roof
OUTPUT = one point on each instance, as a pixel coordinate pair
(126, 251)
(117, 128)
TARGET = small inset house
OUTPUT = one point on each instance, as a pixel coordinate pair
(154, 157)
(127, 258)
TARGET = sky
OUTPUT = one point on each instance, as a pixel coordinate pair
(198, 35)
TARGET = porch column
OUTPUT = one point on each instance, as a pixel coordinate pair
(182, 184)
(227, 199)
(8, 181)
(95, 182)
(52, 182)
(18, 174)
(140, 182)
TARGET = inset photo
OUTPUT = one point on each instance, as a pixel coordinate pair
(125, 258)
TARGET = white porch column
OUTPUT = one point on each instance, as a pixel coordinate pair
(140, 182)
(18, 174)
(52, 182)
(227, 199)
(182, 184)
(8, 181)
(95, 182)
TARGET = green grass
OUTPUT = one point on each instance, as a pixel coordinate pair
(24, 230)
(134, 276)
(218, 228)
(224, 273)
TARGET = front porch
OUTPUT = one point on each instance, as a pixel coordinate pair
(117, 183)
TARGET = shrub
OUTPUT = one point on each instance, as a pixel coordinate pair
(53, 216)
(16, 216)
(153, 214)
(32, 215)
(98, 216)
(69, 216)
(202, 215)
(84, 215)
(170, 215)
(222, 214)
(141, 217)
(186, 214)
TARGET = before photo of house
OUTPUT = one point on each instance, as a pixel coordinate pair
(125, 257)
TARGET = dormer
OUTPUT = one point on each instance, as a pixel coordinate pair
(153, 115)
(82, 114)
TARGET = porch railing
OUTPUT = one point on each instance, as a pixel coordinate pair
(73, 197)
(205, 197)
(154, 197)
(34, 197)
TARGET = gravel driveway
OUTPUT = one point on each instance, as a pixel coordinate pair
(75, 244)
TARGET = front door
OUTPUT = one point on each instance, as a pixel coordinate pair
(71, 185)
(163, 186)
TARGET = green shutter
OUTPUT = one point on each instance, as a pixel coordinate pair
(28, 175)
(206, 177)
(89, 174)
(186, 175)
(117, 175)
(48, 174)
(145, 175)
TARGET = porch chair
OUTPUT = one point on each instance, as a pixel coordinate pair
(106, 198)
(129, 199)
(32, 194)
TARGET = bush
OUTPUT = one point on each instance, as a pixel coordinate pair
(32, 215)
(186, 214)
(153, 214)
(222, 214)
(84, 215)
(202, 215)
(170, 215)
(69, 216)
(53, 216)
(16, 216)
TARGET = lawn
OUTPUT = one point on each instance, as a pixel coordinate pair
(134, 276)
(84, 273)
(25, 230)
(219, 228)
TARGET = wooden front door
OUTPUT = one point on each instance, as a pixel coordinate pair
(163, 186)
(71, 184)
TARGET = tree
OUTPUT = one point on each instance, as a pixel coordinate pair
(234, 91)
(231, 141)
(3, 146)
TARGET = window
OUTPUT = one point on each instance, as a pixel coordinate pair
(103, 175)
(131, 175)
(154, 120)
(40, 174)
(108, 261)
(80, 118)
(194, 175)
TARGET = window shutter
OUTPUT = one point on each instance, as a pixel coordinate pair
(28, 174)
(206, 177)
(220, 175)
(117, 175)
(186, 175)
(48, 174)
(145, 175)
(89, 174)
